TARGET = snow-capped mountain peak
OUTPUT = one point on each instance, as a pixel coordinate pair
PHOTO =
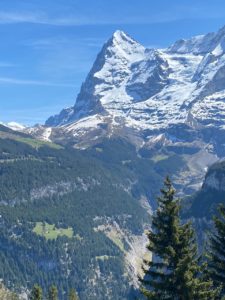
(142, 89)
(122, 44)
(110, 72)
(120, 36)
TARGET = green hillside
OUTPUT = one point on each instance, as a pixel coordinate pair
(74, 194)
(81, 198)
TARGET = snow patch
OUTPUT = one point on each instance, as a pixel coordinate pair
(14, 126)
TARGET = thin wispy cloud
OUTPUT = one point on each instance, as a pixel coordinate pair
(19, 17)
(79, 20)
(53, 42)
(42, 18)
(16, 81)
(5, 64)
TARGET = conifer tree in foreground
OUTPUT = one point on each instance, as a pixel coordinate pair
(217, 252)
(36, 293)
(173, 273)
(53, 293)
(73, 295)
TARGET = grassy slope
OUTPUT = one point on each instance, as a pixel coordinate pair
(51, 232)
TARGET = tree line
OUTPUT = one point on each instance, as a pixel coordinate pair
(175, 271)
(37, 294)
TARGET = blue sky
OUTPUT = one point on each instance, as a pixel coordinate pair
(48, 46)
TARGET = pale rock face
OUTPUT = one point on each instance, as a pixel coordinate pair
(41, 132)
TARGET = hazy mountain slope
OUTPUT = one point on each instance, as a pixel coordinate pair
(204, 203)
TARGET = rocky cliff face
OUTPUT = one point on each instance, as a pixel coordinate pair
(215, 178)
(203, 205)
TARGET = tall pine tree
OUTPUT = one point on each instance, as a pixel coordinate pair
(217, 252)
(36, 293)
(173, 272)
(53, 293)
(73, 295)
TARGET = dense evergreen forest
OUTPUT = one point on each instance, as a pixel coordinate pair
(175, 270)
(44, 183)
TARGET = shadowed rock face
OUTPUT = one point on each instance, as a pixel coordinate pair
(156, 74)
(215, 178)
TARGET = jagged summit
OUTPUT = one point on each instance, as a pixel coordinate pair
(120, 38)
(120, 35)
(110, 70)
